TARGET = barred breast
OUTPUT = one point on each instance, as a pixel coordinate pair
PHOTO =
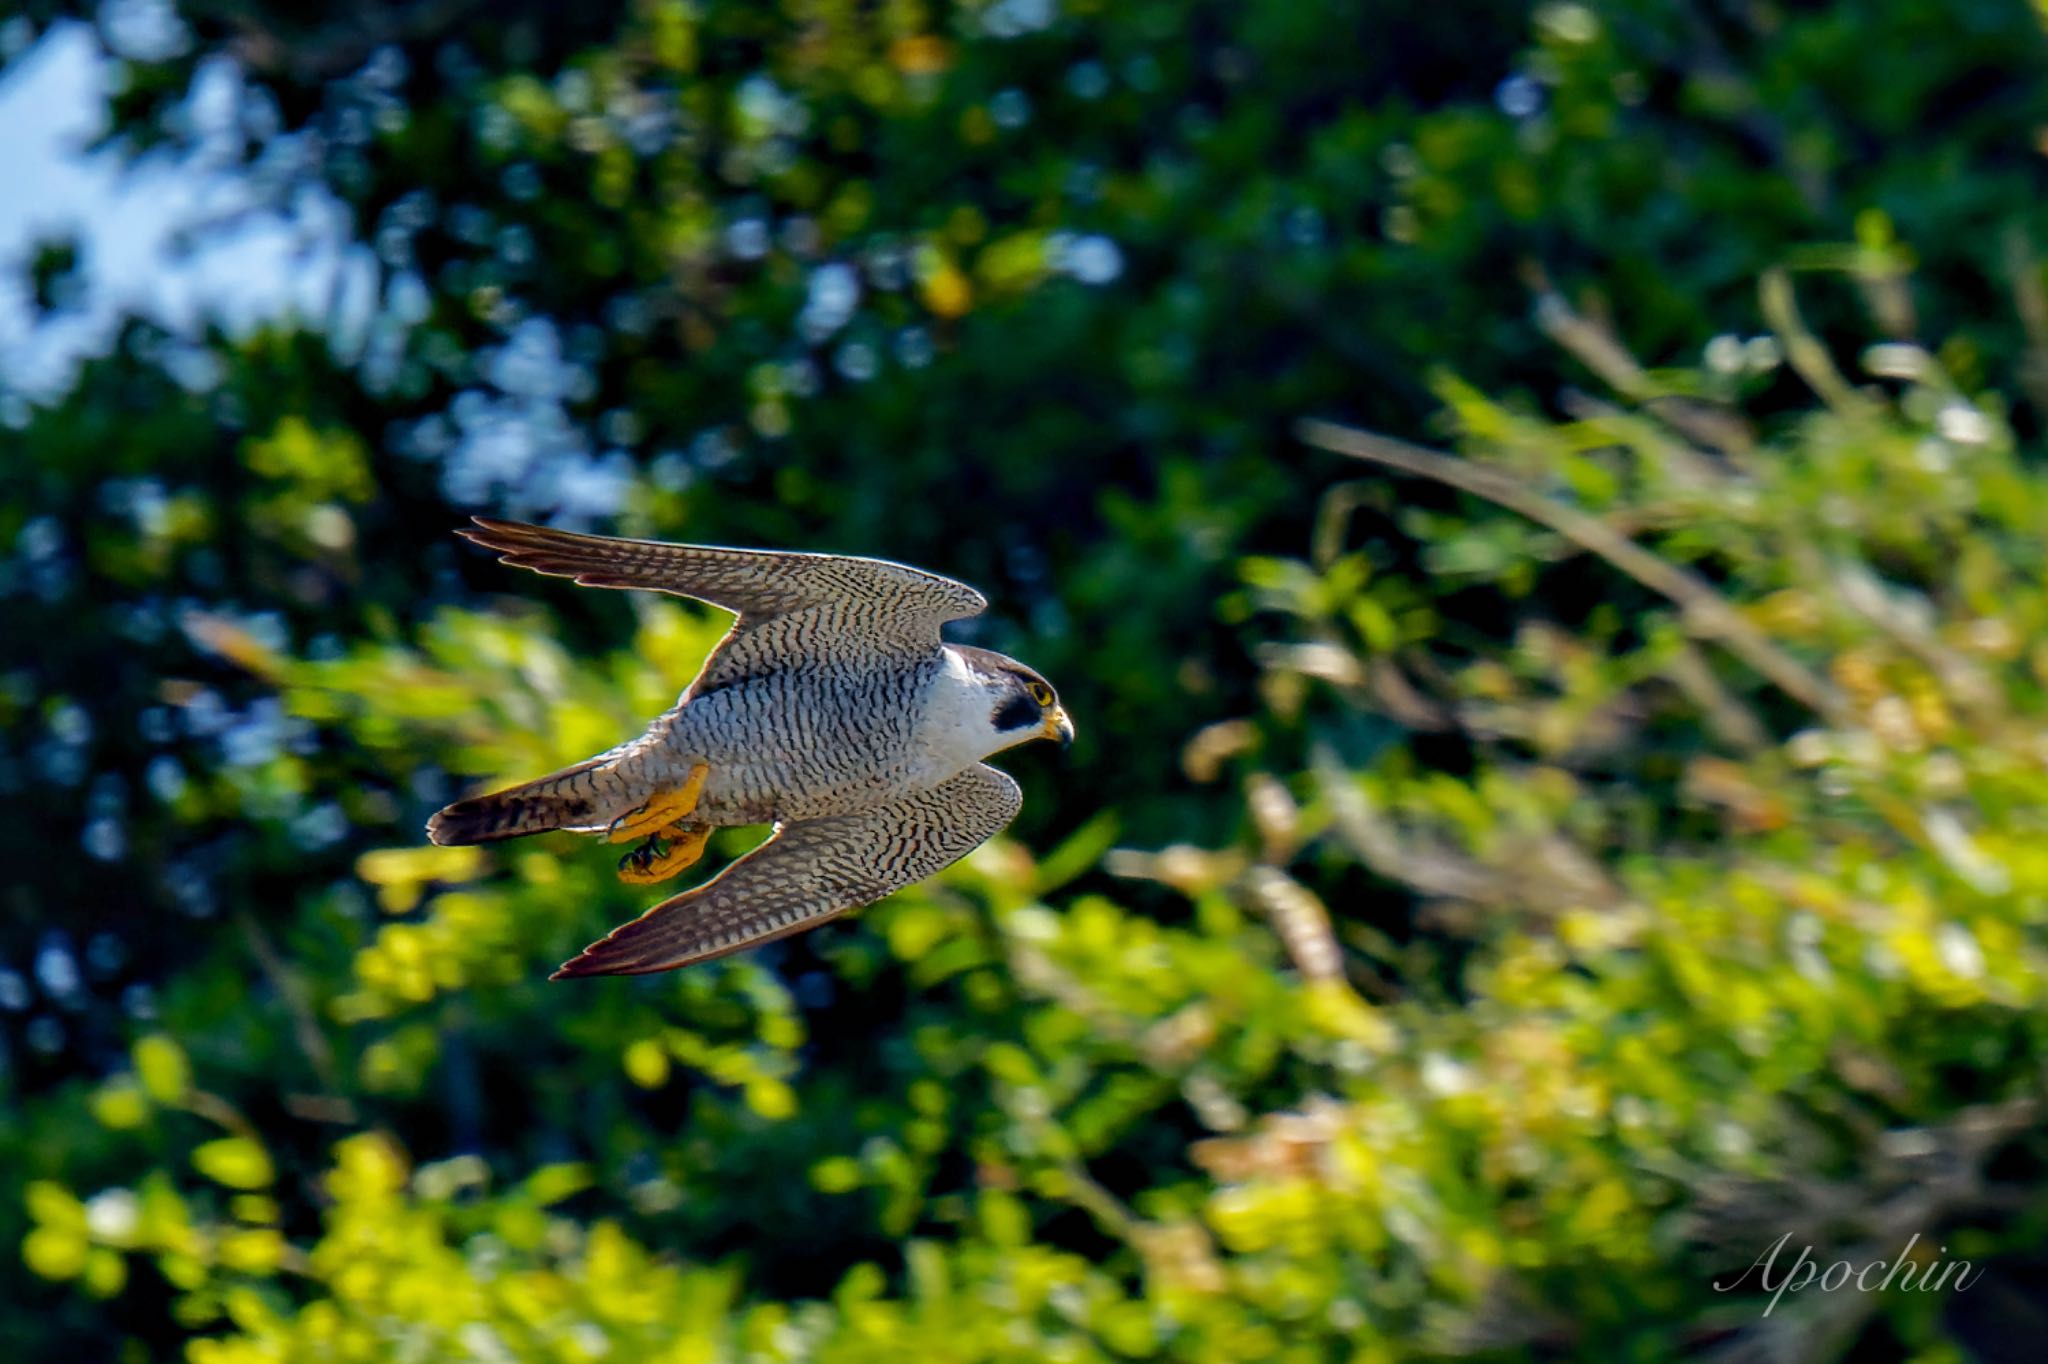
(800, 742)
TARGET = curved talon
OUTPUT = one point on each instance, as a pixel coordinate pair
(638, 860)
(661, 810)
(657, 859)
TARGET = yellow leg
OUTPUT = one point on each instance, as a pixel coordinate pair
(661, 810)
(652, 862)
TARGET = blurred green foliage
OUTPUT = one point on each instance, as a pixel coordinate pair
(1496, 895)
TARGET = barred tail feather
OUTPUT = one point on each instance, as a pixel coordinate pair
(562, 800)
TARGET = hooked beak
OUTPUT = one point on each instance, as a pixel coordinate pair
(1058, 726)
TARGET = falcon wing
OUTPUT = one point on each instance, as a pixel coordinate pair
(825, 603)
(808, 872)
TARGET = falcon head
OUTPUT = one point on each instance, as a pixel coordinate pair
(1022, 706)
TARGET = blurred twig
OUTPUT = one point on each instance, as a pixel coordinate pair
(1893, 612)
(330, 1105)
(2030, 299)
(1333, 518)
(1722, 431)
(1803, 350)
(1704, 610)
(1592, 345)
(1299, 920)
(1601, 351)
(1735, 723)
(1548, 875)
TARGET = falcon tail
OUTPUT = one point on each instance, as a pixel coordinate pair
(561, 800)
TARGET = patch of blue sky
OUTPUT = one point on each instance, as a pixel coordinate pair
(182, 238)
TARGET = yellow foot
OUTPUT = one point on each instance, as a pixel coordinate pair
(658, 858)
(661, 810)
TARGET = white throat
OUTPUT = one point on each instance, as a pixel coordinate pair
(957, 725)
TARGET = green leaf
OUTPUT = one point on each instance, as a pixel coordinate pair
(1082, 850)
(553, 1183)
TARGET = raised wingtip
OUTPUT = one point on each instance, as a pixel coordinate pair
(511, 541)
(605, 957)
(591, 962)
(482, 529)
(577, 967)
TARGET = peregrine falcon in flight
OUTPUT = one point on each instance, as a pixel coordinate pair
(831, 709)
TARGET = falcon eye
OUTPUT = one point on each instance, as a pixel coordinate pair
(1040, 693)
(1019, 712)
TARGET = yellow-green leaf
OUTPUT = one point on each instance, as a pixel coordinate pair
(106, 1272)
(647, 1064)
(770, 1098)
(836, 1174)
(53, 1205)
(161, 1066)
(120, 1104)
(553, 1183)
(236, 1162)
(55, 1252)
(252, 1250)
